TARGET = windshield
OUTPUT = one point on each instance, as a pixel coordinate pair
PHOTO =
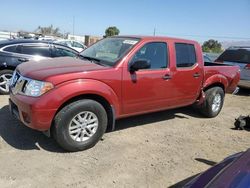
(108, 51)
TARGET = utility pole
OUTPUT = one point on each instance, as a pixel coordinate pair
(154, 31)
(74, 26)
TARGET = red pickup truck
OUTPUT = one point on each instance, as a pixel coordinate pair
(77, 99)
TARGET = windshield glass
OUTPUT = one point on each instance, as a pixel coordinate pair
(108, 51)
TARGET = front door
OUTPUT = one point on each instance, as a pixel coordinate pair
(147, 89)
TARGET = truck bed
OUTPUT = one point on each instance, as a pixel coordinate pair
(231, 73)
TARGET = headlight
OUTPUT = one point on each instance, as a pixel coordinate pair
(36, 88)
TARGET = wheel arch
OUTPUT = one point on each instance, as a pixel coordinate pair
(7, 67)
(216, 84)
(216, 80)
(109, 108)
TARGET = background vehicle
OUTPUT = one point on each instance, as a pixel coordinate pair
(212, 56)
(77, 99)
(233, 171)
(14, 52)
(76, 45)
(239, 56)
(207, 59)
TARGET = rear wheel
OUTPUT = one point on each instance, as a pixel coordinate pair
(5, 77)
(213, 102)
(80, 125)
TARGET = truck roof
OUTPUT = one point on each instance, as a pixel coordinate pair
(145, 37)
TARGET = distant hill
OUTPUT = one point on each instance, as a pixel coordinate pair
(226, 44)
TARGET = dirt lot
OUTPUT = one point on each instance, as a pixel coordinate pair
(155, 150)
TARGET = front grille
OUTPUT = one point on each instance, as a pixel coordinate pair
(17, 83)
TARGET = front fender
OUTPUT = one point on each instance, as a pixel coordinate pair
(55, 98)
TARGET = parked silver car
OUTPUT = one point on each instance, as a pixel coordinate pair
(76, 45)
(240, 56)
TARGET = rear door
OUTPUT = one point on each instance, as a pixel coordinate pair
(188, 74)
(13, 55)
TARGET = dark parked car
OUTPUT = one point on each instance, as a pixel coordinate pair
(239, 56)
(234, 171)
(14, 52)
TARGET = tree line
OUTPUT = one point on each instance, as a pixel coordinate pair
(211, 45)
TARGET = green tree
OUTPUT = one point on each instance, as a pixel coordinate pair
(50, 30)
(212, 46)
(111, 31)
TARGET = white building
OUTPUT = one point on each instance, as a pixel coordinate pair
(77, 37)
(7, 35)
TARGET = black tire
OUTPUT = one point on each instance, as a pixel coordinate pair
(62, 122)
(207, 107)
(3, 87)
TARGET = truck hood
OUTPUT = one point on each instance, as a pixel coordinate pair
(57, 66)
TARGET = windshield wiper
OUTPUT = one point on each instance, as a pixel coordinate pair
(94, 60)
(90, 58)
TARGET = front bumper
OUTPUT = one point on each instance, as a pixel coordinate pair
(244, 83)
(35, 116)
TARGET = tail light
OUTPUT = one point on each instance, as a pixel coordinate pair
(247, 67)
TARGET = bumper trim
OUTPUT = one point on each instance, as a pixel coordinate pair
(14, 110)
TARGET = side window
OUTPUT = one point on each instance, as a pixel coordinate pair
(61, 52)
(36, 50)
(155, 53)
(10, 49)
(206, 59)
(67, 43)
(185, 55)
(77, 45)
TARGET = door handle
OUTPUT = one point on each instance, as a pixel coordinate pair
(167, 77)
(196, 75)
(23, 60)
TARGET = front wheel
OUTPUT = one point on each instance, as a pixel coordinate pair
(80, 125)
(214, 99)
(5, 77)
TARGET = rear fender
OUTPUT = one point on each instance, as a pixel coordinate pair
(218, 79)
(215, 80)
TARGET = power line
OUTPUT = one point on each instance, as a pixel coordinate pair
(206, 36)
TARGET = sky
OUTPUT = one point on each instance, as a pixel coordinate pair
(191, 19)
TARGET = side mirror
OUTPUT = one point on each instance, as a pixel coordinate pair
(139, 64)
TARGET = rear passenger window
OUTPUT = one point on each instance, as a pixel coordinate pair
(10, 49)
(77, 45)
(36, 50)
(61, 52)
(185, 55)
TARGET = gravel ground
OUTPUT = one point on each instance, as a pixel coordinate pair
(155, 150)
